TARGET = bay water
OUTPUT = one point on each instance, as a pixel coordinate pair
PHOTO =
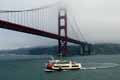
(31, 67)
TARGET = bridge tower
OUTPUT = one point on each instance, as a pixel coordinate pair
(62, 31)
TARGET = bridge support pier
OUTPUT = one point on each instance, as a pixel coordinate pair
(86, 50)
(89, 49)
(81, 50)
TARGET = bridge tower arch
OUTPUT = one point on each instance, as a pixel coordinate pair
(62, 31)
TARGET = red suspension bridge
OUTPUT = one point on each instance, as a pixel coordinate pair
(52, 22)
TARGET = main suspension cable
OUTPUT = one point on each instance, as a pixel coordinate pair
(44, 7)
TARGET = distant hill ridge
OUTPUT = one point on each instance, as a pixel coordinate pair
(51, 50)
(102, 48)
(107, 48)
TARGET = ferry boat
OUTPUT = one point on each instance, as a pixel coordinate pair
(60, 65)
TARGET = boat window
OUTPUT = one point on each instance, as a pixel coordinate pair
(75, 66)
(61, 66)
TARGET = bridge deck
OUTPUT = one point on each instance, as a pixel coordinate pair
(25, 29)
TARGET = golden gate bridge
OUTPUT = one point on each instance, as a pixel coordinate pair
(50, 21)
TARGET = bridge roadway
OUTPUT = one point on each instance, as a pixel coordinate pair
(26, 29)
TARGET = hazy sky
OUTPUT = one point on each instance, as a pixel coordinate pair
(99, 21)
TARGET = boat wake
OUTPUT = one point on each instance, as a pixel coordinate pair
(92, 66)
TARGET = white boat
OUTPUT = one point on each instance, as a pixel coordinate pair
(62, 65)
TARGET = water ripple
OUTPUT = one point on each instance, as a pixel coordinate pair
(98, 65)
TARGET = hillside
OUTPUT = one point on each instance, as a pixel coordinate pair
(73, 50)
(107, 48)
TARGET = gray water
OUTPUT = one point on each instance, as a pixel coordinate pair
(24, 67)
